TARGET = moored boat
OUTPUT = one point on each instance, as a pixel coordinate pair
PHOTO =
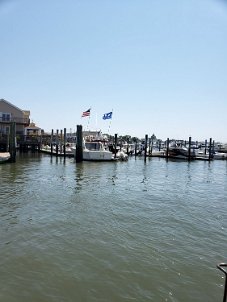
(4, 157)
(95, 151)
(220, 155)
(181, 152)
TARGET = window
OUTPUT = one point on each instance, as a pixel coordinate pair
(6, 117)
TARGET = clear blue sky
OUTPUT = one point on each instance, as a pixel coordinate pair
(160, 65)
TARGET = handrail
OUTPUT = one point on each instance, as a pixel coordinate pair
(221, 267)
(19, 120)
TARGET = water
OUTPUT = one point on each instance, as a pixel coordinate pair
(120, 231)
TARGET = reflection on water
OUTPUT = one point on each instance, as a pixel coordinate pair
(121, 231)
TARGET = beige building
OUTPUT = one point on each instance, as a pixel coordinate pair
(32, 130)
(11, 113)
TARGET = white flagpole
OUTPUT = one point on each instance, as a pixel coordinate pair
(110, 123)
(96, 122)
(88, 122)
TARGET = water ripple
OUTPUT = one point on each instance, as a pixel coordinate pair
(130, 231)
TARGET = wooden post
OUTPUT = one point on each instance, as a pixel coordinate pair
(152, 143)
(145, 151)
(149, 146)
(57, 142)
(79, 144)
(210, 155)
(189, 148)
(136, 149)
(61, 139)
(51, 142)
(64, 142)
(12, 142)
(205, 147)
(115, 144)
(167, 148)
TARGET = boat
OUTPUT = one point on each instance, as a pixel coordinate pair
(95, 151)
(220, 155)
(155, 152)
(222, 148)
(179, 151)
(121, 155)
(128, 148)
(4, 157)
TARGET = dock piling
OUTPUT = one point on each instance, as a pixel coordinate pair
(145, 148)
(79, 144)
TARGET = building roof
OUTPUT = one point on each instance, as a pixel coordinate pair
(32, 126)
(27, 112)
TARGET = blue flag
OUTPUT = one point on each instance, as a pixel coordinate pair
(107, 116)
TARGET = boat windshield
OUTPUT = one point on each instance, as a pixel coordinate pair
(93, 146)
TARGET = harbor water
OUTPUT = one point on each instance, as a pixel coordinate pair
(116, 231)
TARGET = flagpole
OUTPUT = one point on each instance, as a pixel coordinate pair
(110, 124)
(86, 114)
(88, 123)
(96, 122)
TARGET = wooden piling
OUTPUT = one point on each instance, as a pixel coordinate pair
(57, 142)
(61, 140)
(205, 147)
(51, 142)
(12, 142)
(167, 148)
(189, 148)
(64, 146)
(145, 151)
(115, 144)
(210, 149)
(79, 144)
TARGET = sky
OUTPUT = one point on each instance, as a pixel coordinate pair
(160, 66)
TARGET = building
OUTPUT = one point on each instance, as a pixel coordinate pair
(10, 113)
(32, 130)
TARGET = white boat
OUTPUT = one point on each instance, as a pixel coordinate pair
(220, 155)
(222, 148)
(121, 155)
(179, 151)
(95, 151)
(156, 152)
(203, 154)
(128, 149)
(4, 157)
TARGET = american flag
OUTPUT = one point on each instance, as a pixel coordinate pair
(86, 113)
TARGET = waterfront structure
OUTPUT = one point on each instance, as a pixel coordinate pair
(32, 130)
(10, 113)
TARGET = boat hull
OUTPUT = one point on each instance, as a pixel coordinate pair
(97, 155)
(4, 157)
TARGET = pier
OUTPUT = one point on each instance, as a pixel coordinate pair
(58, 143)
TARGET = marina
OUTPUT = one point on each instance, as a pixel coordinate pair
(113, 151)
(92, 231)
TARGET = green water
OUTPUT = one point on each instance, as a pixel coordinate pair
(119, 231)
